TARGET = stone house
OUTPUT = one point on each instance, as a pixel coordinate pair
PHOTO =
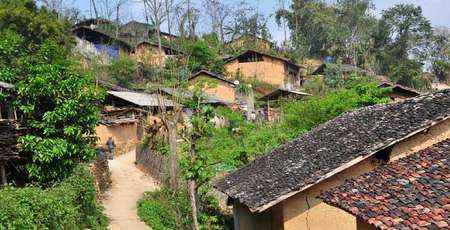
(213, 85)
(276, 71)
(280, 190)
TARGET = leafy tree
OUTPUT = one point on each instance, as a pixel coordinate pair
(58, 105)
(309, 22)
(440, 56)
(202, 57)
(123, 71)
(351, 37)
(408, 73)
(246, 22)
(334, 75)
(403, 33)
(35, 24)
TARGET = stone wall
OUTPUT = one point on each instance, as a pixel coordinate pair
(154, 164)
(101, 173)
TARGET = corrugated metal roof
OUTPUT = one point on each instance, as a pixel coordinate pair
(141, 99)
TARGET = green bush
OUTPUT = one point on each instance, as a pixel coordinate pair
(156, 215)
(70, 204)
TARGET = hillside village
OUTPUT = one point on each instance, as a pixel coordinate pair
(115, 123)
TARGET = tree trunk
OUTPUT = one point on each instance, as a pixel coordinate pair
(95, 9)
(172, 133)
(160, 51)
(3, 179)
(117, 21)
(169, 24)
(193, 199)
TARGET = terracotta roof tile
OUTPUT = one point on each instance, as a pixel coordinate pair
(331, 148)
(411, 193)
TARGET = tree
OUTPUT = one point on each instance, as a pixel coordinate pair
(219, 13)
(155, 10)
(194, 165)
(403, 33)
(309, 22)
(440, 55)
(35, 24)
(59, 106)
(246, 22)
(351, 37)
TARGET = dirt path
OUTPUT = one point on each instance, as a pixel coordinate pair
(129, 183)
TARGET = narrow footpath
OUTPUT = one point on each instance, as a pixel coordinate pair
(128, 185)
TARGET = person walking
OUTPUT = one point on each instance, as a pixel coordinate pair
(111, 147)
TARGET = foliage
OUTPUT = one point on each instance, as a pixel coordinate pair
(156, 215)
(247, 22)
(35, 24)
(57, 103)
(440, 56)
(202, 57)
(334, 75)
(408, 73)
(165, 209)
(123, 71)
(229, 148)
(70, 204)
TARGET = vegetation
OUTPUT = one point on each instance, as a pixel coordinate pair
(69, 204)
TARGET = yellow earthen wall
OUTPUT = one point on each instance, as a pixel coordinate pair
(270, 70)
(422, 141)
(218, 88)
(305, 211)
(124, 136)
(149, 55)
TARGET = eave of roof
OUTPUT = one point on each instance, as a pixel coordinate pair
(141, 99)
(207, 73)
(332, 148)
(156, 45)
(266, 55)
(122, 43)
(278, 92)
(401, 87)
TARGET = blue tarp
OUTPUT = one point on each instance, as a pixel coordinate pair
(111, 51)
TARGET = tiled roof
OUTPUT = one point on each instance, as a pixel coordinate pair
(141, 99)
(331, 148)
(411, 193)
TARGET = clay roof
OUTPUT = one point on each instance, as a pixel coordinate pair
(205, 72)
(410, 193)
(400, 88)
(141, 99)
(227, 60)
(332, 148)
(278, 93)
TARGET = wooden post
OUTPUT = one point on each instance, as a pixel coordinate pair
(3, 179)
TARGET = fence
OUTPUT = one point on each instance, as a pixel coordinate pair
(154, 164)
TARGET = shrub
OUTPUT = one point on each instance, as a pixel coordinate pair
(156, 215)
(70, 204)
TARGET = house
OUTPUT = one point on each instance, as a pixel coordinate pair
(213, 85)
(346, 69)
(135, 32)
(123, 115)
(411, 193)
(280, 190)
(253, 42)
(399, 92)
(147, 52)
(276, 71)
(180, 94)
(94, 42)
